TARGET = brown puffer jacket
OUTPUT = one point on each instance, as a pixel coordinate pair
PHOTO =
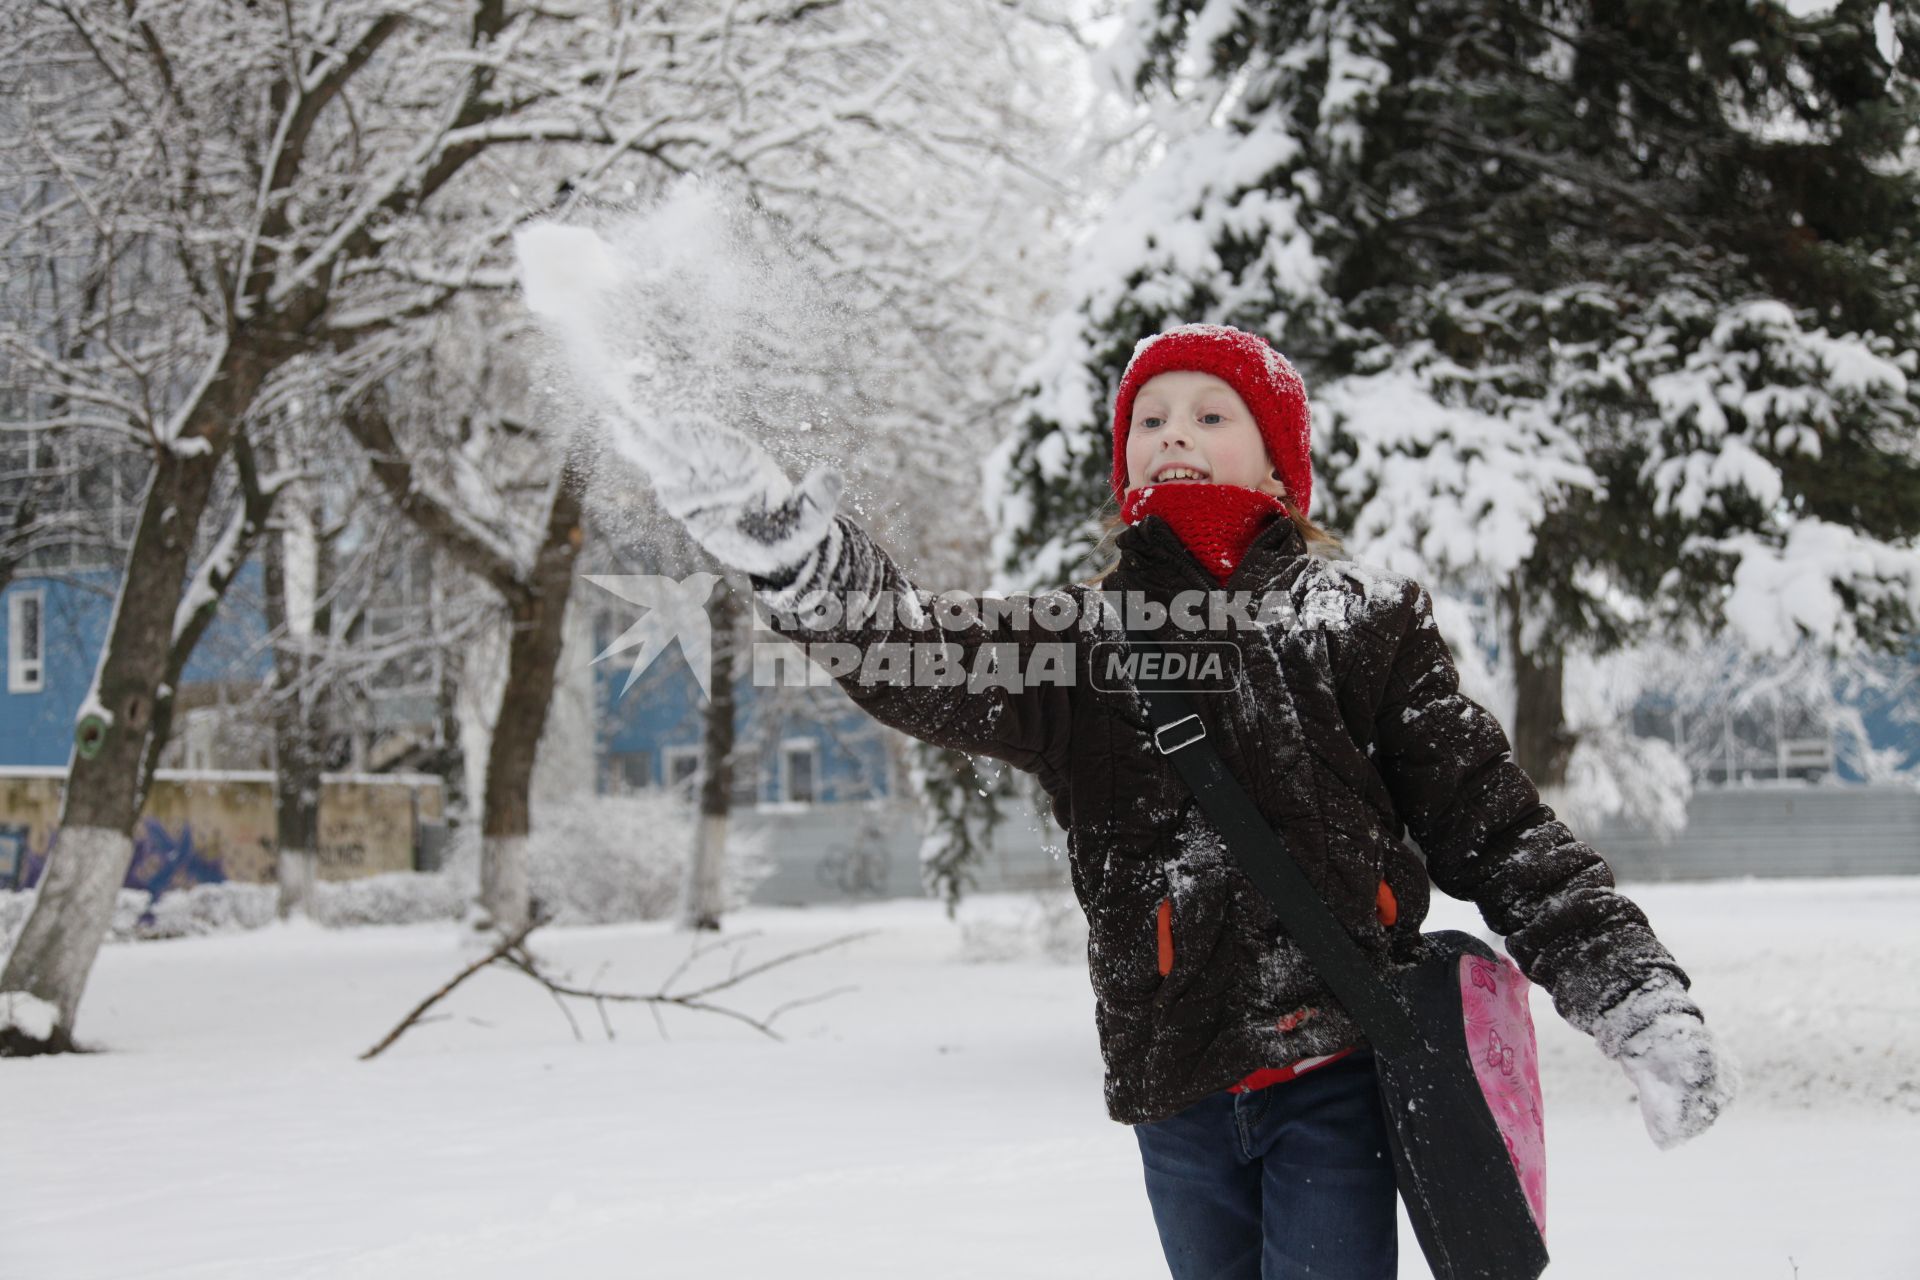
(1349, 731)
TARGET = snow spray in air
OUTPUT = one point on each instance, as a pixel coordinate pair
(688, 312)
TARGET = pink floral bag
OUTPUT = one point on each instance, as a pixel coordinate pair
(1506, 1062)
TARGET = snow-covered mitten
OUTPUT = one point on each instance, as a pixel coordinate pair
(1661, 1040)
(737, 502)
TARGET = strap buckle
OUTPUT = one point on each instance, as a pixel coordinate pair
(1199, 732)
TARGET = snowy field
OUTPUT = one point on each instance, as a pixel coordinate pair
(940, 1118)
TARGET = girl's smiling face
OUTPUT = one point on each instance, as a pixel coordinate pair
(1190, 427)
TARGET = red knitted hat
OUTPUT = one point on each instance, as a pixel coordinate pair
(1261, 376)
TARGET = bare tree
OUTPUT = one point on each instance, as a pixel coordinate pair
(937, 221)
(321, 181)
(850, 141)
(266, 175)
(357, 630)
(534, 586)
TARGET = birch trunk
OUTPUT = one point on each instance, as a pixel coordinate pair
(63, 934)
(291, 562)
(112, 736)
(538, 618)
(703, 901)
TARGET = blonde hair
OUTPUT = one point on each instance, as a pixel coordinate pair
(1317, 539)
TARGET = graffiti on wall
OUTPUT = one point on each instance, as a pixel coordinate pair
(162, 859)
(215, 828)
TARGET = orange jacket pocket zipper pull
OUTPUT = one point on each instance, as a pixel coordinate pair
(1387, 907)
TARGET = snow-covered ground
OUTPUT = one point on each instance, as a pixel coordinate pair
(941, 1118)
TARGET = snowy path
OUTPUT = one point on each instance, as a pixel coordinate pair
(944, 1119)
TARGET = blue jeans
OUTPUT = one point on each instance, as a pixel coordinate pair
(1284, 1183)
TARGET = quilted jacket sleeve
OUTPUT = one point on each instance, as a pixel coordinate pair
(1488, 838)
(889, 631)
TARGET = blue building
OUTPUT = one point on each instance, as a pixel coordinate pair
(54, 628)
(793, 746)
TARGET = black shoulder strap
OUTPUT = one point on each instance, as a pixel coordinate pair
(1180, 735)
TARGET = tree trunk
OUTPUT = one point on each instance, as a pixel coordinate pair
(703, 901)
(105, 776)
(538, 620)
(296, 727)
(1542, 744)
(226, 557)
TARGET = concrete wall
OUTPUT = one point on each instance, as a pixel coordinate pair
(849, 852)
(1785, 829)
(201, 827)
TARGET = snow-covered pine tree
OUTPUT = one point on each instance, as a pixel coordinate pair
(1608, 310)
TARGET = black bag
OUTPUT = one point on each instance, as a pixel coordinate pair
(1468, 1148)
(1474, 1193)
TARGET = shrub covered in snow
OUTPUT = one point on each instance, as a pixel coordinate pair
(601, 859)
(15, 906)
(208, 908)
(400, 898)
(1048, 923)
(403, 897)
(592, 860)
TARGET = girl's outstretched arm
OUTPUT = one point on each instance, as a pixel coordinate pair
(1489, 839)
(955, 677)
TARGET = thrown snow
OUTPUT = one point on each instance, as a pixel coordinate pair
(688, 312)
(564, 270)
(229, 1132)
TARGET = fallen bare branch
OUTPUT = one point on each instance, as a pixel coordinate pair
(525, 962)
(505, 945)
(512, 952)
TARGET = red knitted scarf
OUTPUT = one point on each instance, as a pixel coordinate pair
(1217, 522)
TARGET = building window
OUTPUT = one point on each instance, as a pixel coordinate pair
(799, 770)
(26, 641)
(682, 766)
(70, 472)
(200, 738)
(629, 771)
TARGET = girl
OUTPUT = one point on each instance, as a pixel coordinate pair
(1250, 1090)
